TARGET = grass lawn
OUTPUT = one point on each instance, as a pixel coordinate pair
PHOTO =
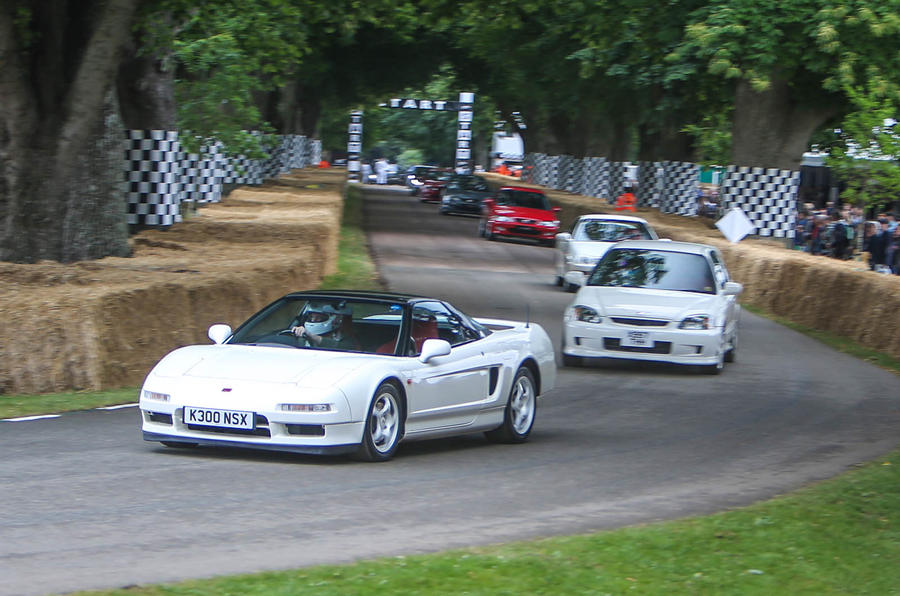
(838, 537)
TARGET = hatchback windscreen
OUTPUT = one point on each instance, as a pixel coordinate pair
(654, 269)
(611, 231)
(471, 184)
(523, 198)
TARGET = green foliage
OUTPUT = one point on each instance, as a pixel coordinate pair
(865, 157)
(712, 139)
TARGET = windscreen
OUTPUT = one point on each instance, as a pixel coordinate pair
(523, 198)
(654, 269)
(611, 231)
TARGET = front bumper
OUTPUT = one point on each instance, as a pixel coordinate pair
(520, 230)
(275, 431)
(663, 344)
(462, 206)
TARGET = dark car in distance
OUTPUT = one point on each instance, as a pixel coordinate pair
(464, 193)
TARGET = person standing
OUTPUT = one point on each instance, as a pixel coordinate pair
(381, 171)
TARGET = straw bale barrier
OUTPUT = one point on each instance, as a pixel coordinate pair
(102, 324)
(841, 297)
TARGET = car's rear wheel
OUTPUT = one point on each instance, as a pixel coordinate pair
(384, 425)
(731, 353)
(521, 406)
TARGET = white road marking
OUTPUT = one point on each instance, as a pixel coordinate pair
(118, 407)
(27, 418)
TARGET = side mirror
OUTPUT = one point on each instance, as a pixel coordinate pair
(562, 238)
(732, 288)
(432, 348)
(556, 209)
(219, 333)
(489, 203)
(576, 278)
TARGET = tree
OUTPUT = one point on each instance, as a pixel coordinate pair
(60, 135)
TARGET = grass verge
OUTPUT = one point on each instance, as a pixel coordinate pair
(839, 537)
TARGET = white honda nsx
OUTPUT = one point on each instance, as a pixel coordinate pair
(655, 300)
(350, 372)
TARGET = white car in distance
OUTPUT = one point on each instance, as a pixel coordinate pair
(591, 236)
(658, 301)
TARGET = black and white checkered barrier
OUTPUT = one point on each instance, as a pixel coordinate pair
(767, 196)
(153, 177)
(159, 176)
(679, 187)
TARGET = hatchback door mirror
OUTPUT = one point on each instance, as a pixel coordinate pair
(732, 288)
(432, 348)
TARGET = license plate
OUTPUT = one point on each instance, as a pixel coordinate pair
(636, 339)
(221, 418)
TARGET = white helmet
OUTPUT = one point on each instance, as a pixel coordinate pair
(324, 318)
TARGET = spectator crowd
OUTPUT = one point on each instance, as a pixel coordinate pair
(846, 234)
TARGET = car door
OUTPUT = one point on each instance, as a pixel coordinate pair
(450, 390)
(731, 307)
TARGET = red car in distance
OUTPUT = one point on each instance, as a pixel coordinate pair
(518, 212)
(435, 181)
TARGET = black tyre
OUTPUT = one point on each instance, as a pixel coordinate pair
(521, 407)
(384, 425)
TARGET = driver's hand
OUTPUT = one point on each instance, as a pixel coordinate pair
(299, 331)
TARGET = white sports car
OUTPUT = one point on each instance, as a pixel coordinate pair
(590, 238)
(655, 300)
(350, 372)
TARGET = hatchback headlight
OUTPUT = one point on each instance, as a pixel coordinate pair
(586, 314)
(307, 408)
(548, 224)
(503, 218)
(696, 322)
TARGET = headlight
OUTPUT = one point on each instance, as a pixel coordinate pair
(307, 408)
(154, 396)
(585, 260)
(503, 218)
(548, 224)
(696, 322)
(586, 314)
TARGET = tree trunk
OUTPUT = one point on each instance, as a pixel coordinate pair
(61, 181)
(146, 91)
(770, 129)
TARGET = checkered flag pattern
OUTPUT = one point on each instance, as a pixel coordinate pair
(650, 183)
(570, 174)
(616, 180)
(159, 176)
(680, 183)
(152, 177)
(767, 196)
(595, 181)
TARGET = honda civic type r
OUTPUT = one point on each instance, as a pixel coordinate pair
(655, 300)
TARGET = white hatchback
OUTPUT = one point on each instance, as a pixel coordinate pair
(655, 300)
(589, 239)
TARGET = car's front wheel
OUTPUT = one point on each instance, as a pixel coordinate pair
(521, 406)
(384, 424)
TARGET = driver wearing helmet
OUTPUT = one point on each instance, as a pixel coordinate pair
(324, 326)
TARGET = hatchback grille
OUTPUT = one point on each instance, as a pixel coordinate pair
(639, 322)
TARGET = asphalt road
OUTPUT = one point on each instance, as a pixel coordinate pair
(87, 504)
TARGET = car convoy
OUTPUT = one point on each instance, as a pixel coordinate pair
(360, 372)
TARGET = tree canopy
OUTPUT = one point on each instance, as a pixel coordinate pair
(745, 81)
